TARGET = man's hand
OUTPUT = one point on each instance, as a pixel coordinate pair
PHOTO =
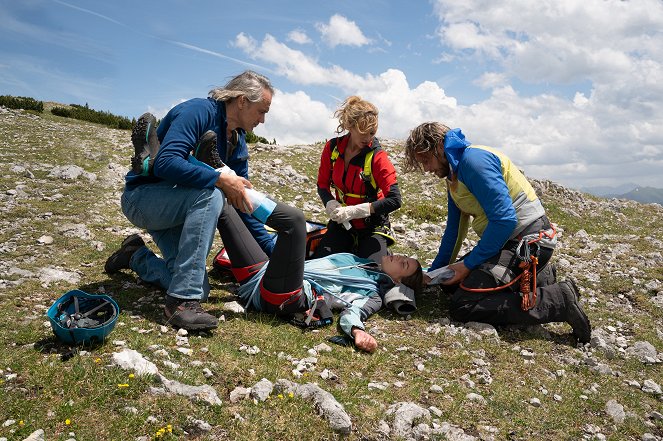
(233, 188)
(461, 272)
(364, 340)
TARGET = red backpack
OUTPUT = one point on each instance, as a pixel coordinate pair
(314, 232)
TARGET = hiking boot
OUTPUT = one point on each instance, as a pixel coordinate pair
(146, 144)
(188, 314)
(575, 316)
(120, 258)
(206, 150)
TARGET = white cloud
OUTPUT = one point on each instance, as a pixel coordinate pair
(490, 80)
(607, 55)
(401, 107)
(295, 118)
(341, 31)
(298, 36)
(614, 46)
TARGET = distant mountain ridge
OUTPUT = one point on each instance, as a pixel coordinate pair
(645, 195)
(631, 191)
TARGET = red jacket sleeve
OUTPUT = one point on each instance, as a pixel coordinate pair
(324, 174)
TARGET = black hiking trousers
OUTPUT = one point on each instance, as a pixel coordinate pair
(502, 307)
(365, 243)
(285, 268)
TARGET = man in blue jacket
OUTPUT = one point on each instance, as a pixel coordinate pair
(506, 278)
(178, 199)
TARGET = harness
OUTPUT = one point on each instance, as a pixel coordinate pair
(527, 252)
(366, 175)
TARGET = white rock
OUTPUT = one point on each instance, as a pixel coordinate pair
(233, 307)
(475, 397)
(129, 359)
(651, 387)
(182, 332)
(535, 402)
(436, 389)
(615, 411)
(185, 351)
(322, 347)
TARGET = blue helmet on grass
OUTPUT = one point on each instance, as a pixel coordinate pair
(81, 318)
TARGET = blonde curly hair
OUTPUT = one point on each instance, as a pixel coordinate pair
(357, 113)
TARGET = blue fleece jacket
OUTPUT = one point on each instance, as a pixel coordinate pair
(481, 172)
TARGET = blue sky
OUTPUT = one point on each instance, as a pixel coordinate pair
(571, 91)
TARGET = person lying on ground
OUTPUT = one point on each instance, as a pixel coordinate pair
(291, 287)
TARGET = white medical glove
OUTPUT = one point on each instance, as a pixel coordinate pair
(344, 214)
(332, 205)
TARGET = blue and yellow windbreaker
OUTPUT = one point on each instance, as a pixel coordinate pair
(488, 189)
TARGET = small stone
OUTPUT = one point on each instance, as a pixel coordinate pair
(163, 329)
(535, 402)
(437, 412)
(475, 397)
(651, 387)
(185, 351)
(45, 240)
(436, 389)
(182, 332)
(615, 411)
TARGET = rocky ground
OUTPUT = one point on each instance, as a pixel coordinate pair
(258, 378)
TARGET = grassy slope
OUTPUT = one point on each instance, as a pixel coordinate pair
(47, 391)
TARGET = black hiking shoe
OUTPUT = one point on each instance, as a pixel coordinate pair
(146, 144)
(189, 315)
(575, 316)
(206, 150)
(120, 258)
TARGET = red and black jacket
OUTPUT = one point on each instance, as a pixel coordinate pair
(385, 198)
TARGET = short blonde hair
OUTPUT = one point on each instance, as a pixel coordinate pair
(357, 113)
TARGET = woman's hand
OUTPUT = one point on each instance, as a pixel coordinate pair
(364, 340)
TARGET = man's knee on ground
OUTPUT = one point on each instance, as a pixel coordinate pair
(459, 309)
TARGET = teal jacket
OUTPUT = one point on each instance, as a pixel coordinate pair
(348, 282)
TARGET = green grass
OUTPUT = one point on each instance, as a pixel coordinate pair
(84, 389)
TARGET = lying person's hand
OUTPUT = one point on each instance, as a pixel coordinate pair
(233, 187)
(364, 340)
(344, 214)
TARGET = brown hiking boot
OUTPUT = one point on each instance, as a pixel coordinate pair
(189, 315)
(207, 152)
(120, 258)
(575, 316)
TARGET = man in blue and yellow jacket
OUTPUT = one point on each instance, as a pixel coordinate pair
(506, 278)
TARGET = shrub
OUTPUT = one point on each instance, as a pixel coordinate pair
(253, 138)
(86, 114)
(21, 102)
